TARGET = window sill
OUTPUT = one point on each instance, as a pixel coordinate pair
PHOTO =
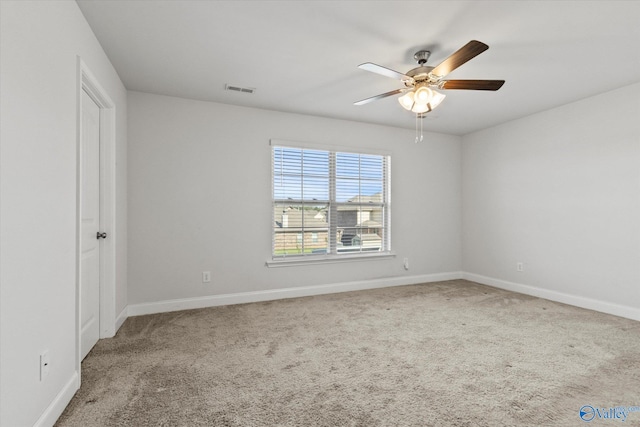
(327, 259)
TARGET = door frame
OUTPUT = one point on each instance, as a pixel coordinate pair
(86, 81)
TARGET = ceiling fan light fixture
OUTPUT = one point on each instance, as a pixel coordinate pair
(423, 95)
(407, 101)
(436, 99)
(422, 100)
(421, 108)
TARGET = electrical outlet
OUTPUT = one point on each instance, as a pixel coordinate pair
(520, 266)
(44, 365)
(406, 263)
(206, 276)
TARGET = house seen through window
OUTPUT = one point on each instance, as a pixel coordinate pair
(329, 202)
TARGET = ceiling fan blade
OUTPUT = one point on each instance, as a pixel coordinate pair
(459, 57)
(382, 95)
(472, 84)
(379, 69)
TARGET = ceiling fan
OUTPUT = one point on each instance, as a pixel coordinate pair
(420, 82)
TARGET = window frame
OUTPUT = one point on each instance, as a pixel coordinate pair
(332, 253)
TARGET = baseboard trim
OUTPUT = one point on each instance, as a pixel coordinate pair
(275, 294)
(121, 318)
(55, 409)
(578, 301)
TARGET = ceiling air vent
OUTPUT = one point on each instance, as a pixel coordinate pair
(239, 88)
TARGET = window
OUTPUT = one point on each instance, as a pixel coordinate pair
(329, 203)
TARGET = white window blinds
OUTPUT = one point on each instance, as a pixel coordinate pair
(329, 202)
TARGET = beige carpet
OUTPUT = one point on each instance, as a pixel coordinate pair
(451, 353)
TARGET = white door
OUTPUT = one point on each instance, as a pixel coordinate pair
(90, 226)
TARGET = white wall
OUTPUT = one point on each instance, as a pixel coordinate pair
(200, 199)
(560, 192)
(40, 41)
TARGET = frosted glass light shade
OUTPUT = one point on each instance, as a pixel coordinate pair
(436, 99)
(423, 95)
(421, 108)
(406, 101)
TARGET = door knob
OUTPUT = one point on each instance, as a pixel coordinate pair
(101, 235)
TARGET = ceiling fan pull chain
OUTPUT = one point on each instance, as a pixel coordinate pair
(421, 138)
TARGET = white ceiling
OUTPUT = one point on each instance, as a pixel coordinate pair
(302, 56)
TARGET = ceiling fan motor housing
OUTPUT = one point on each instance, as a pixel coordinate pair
(421, 74)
